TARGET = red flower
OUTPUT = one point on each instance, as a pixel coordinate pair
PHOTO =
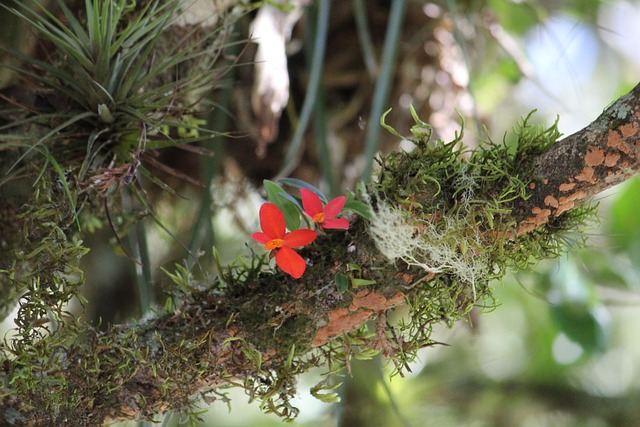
(326, 216)
(275, 238)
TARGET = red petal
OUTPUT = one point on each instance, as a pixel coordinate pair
(298, 238)
(340, 223)
(272, 221)
(260, 237)
(290, 262)
(310, 202)
(334, 207)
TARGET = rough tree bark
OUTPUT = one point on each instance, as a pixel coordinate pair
(603, 154)
(238, 334)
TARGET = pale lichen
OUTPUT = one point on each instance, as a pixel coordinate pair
(443, 247)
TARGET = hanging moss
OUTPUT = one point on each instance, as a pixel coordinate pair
(447, 214)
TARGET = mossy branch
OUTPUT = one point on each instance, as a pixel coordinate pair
(259, 329)
(572, 171)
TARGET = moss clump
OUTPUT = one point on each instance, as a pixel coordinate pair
(45, 276)
(447, 214)
(453, 207)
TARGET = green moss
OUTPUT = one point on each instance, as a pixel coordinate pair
(445, 212)
(450, 204)
(454, 208)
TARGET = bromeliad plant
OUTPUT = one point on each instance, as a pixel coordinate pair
(116, 71)
(111, 83)
(283, 212)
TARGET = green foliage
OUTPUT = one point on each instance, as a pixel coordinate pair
(342, 282)
(106, 63)
(624, 226)
(298, 183)
(112, 78)
(47, 265)
(448, 199)
(326, 392)
(278, 196)
(119, 78)
(46, 276)
(357, 206)
(438, 194)
(106, 92)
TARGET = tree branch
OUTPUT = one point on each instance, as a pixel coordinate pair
(575, 169)
(260, 330)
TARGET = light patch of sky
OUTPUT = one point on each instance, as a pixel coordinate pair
(565, 351)
(619, 29)
(579, 68)
(564, 54)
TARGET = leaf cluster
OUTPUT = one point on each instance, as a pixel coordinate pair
(45, 275)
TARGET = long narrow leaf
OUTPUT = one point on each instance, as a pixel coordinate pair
(298, 183)
(65, 186)
(364, 36)
(62, 36)
(315, 79)
(66, 42)
(91, 22)
(381, 90)
(322, 146)
(49, 134)
(76, 27)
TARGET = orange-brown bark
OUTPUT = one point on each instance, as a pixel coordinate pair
(582, 165)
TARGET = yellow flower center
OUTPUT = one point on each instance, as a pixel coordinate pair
(273, 244)
(319, 218)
